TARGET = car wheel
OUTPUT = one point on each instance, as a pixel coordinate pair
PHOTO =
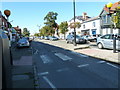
(67, 42)
(100, 45)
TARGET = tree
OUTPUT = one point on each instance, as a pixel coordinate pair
(45, 31)
(116, 19)
(75, 25)
(26, 32)
(36, 34)
(50, 22)
(63, 27)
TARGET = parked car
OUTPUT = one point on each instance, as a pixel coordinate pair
(23, 43)
(46, 37)
(30, 39)
(89, 38)
(53, 38)
(106, 41)
(42, 37)
(79, 39)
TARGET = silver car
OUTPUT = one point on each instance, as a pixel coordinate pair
(23, 43)
(79, 39)
(106, 41)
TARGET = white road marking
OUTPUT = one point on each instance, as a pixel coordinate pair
(43, 73)
(45, 59)
(63, 69)
(113, 65)
(63, 57)
(36, 51)
(84, 65)
(79, 54)
(48, 81)
(101, 61)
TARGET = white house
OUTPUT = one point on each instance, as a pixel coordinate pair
(80, 19)
(90, 26)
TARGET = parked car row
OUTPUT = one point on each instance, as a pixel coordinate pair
(52, 38)
(105, 41)
(79, 39)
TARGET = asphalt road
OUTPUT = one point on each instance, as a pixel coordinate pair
(60, 68)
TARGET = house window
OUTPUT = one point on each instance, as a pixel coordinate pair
(108, 19)
(93, 24)
(84, 26)
(104, 19)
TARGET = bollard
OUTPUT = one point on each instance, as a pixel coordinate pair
(114, 44)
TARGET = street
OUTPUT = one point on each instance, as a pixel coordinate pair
(60, 68)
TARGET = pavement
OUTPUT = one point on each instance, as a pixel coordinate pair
(89, 49)
(22, 70)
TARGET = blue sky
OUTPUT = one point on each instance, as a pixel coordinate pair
(31, 14)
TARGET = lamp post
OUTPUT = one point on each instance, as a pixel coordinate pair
(74, 23)
(109, 5)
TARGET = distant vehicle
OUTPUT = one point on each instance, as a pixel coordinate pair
(23, 43)
(53, 38)
(106, 41)
(79, 39)
(30, 39)
(46, 37)
(89, 38)
(42, 37)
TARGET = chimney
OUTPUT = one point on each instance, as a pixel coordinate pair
(85, 15)
(17, 26)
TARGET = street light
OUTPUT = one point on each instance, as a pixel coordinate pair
(109, 5)
(74, 23)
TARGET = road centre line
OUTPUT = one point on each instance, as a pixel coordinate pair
(84, 65)
(50, 83)
(113, 65)
(63, 69)
(63, 57)
(43, 73)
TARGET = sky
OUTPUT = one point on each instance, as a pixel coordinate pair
(30, 15)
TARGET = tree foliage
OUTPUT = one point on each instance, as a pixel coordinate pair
(63, 27)
(118, 18)
(50, 24)
(75, 25)
(36, 34)
(26, 32)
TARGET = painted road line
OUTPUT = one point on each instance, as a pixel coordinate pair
(63, 69)
(84, 65)
(63, 57)
(113, 65)
(36, 78)
(79, 54)
(101, 61)
(45, 59)
(48, 81)
(43, 73)
(36, 52)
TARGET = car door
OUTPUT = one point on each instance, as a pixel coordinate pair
(107, 41)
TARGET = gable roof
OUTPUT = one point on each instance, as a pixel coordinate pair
(79, 18)
(114, 6)
(91, 19)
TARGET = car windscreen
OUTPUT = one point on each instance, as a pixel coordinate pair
(22, 40)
